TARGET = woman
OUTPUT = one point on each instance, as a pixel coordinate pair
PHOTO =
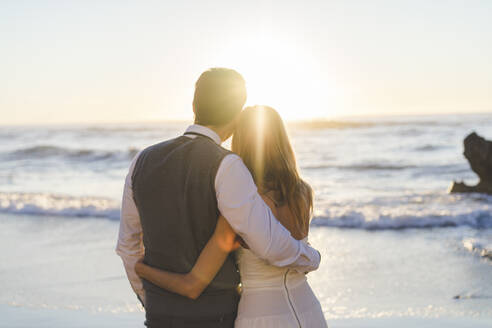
(271, 296)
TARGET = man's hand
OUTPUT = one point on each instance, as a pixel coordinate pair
(226, 238)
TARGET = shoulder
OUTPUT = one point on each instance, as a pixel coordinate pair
(160, 145)
(150, 152)
(207, 148)
(154, 149)
(234, 176)
(232, 164)
(231, 159)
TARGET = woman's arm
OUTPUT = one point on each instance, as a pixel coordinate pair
(211, 259)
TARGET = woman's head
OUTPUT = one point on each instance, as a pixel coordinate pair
(262, 142)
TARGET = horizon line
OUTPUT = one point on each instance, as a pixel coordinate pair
(336, 118)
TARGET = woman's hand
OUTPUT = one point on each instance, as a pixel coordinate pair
(223, 241)
(140, 267)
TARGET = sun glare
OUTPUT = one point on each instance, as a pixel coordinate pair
(284, 77)
(260, 144)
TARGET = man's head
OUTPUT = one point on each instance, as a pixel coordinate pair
(220, 94)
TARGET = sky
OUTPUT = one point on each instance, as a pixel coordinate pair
(132, 61)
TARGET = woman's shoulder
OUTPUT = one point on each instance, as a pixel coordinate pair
(283, 213)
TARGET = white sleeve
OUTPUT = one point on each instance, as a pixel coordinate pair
(247, 213)
(130, 244)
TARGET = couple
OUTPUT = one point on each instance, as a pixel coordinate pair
(214, 238)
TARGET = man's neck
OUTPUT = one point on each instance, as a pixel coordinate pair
(221, 132)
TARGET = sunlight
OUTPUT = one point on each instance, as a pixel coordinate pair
(260, 138)
(284, 77)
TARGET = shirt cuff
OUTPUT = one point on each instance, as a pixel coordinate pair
(308, 261)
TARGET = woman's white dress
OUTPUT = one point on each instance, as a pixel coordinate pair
(275, 297)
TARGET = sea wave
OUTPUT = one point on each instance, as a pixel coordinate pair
(361, 167)
(48, 151)
(46, 204)
(58, 205)
(478, 219)
(428, 147)
(417, 169)
(370, 167)
(328, 124)
(353, 124)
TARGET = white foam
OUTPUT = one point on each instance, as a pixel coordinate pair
(58, 205)
(356, 216)
(479, 247)
(480, 219)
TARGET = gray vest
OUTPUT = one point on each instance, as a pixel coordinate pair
(174, 190)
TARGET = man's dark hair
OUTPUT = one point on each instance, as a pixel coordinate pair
(220, 94)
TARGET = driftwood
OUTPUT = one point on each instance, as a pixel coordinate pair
(478, 152)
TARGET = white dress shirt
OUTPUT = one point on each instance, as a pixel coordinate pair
(239, 202)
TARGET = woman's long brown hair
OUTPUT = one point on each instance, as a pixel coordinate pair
(263, 144)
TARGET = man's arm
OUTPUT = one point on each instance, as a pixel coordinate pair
(130, 245)
(247, 213)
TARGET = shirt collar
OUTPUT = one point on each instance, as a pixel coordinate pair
(195, 128)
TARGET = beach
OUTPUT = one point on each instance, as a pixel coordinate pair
(397, 248)
(65, 274)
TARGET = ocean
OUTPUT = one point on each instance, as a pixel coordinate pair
(395, 244)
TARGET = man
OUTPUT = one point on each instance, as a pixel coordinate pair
(173, 195)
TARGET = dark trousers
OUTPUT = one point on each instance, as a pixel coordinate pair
(219, 321)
